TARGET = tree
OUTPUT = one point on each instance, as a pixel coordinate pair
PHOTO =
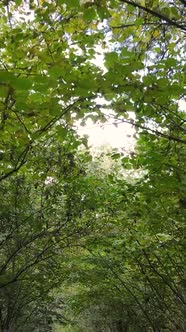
(131, 272)
(53, 202)
(46, 208)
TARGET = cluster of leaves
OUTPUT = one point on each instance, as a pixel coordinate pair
(119, 244)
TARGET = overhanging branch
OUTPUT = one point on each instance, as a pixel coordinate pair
(156, 14)
(151, 131)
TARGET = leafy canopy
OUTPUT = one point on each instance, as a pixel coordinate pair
(76, 239)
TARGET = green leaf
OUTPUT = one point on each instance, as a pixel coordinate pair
(18, 2)
(3, 90)
(103, 12)
(81, 92)
(6, 77)
(111, 59)
(21, 83)
(84, 141)
(171, 62)
(62, 132)
(72, 3)
(116, 156)
(55, 110)
(89, 14)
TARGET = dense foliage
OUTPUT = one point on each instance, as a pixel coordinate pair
(83, 248)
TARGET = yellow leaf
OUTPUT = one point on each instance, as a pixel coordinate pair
(156, 33)
(142, 3)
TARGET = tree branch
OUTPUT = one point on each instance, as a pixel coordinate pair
(20, 162)
(183, 2)
(156, 14)
(153, 131)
